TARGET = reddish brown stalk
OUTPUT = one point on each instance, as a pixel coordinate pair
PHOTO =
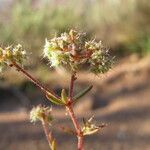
(77, 127)
(32, 79)
(72, 115)
(73, 78)
(47, 133)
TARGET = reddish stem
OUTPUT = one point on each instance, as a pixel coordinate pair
(77, 127)
(32, 79)
(69, 106)
(80, 143)
(45, 90)
(47, 133)
(74, 120)
(73, 78)
(72, 115)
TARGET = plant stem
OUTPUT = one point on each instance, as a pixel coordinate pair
(77, 127)
(71, 88)
(72, 115)
(45, 90)
(32, 79)
(47, 133)
(80, 142)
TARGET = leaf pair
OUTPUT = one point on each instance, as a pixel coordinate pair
(64, 98)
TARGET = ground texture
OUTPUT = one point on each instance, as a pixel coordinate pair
(121, 98)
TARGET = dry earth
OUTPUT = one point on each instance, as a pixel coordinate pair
(121, 98)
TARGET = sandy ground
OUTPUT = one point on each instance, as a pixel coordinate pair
(121, 99)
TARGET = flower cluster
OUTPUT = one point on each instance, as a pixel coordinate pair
(10, 54)
(73, 51)
(40, 113)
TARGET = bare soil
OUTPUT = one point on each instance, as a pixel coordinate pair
(120, 98)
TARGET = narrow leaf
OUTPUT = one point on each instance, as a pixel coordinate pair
(64, 96)
(54, 99)
(53, 146)
(82, 93)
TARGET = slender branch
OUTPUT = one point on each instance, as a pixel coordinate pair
(32, 79)
(80, 143)
(71, 88)
(77, 127)
(74, 120)
(45, 90)
(47, 133)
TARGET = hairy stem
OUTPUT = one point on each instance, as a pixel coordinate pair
(32, 79)
(72, 115)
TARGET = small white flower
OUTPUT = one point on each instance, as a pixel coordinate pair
(36, 114)
(46, 47)
(40, 113)
(65, 37)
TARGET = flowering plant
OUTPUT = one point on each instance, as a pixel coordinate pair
(72, 51)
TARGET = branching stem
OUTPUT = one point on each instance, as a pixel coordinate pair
(45, 90)
(69, 106)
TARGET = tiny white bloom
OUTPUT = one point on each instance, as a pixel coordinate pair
(55, 58)
(46, 47)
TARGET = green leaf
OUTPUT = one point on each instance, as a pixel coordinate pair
(64, 97)
(54, 99)
(82, 93)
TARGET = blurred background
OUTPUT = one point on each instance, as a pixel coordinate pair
(120, 98)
